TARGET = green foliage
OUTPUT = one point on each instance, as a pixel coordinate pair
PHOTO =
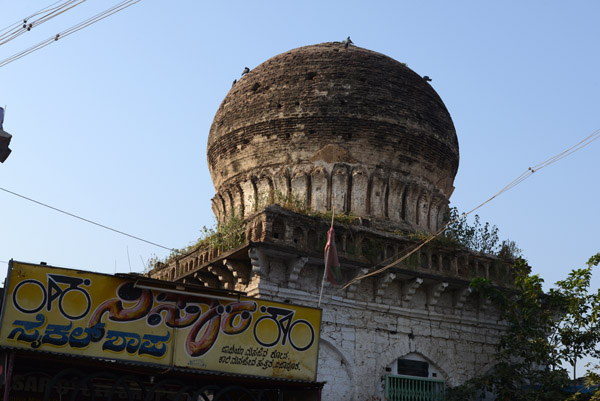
(224, 236)
(544, 330)
(483, 238)
(479, 237)
(527, 367)
(592, 380)
(440, 241)
(509, 250)
(152, 262)
(578, 330)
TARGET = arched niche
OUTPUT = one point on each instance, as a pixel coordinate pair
(298, 237)
(281, 186)
(358, 195)
(410, 204)
(339, 188)
(278, 230)
(434, 212)
(395, 199)
(423, 212)
(313, 240)
(264, 190)
(319, 181)
(249, 197)
(237, 202)
(378, 194)
(300, 187)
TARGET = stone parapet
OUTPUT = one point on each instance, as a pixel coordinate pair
(360, 248)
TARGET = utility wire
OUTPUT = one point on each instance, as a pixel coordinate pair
(48, 8)
(88, 221)
(32, 15)
(28, 23)
(526, 174)
(84, 24)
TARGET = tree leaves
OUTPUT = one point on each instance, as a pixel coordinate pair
(544, 330)
(479, 237)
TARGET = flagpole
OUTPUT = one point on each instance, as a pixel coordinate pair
(326, 258)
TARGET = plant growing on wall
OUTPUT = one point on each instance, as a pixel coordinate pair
(224, 236)
(543, 332)
(478, 236)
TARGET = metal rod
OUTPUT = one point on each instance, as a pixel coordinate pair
(173, 291)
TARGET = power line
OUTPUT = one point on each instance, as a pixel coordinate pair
(84, 24)
(526, 174)
(26, 24)
(88, 221)
(27, 18)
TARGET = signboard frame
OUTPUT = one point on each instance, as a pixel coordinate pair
(146, 321)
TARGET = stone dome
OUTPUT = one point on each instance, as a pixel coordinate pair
(329, 127)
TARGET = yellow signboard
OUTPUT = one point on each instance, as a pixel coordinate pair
(82, 313)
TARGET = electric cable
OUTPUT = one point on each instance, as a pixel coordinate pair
(88, 221)
(526, 174)
(84, 24)
(98, 17)
(26, 24)
(32, 15)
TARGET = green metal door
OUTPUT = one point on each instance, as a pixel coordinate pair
(407, 388)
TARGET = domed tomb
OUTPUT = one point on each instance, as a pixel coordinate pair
(327, 127)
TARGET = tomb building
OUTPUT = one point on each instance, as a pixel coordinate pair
(329, 128)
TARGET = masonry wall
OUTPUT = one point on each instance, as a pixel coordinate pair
(423, 308)
(361, 336)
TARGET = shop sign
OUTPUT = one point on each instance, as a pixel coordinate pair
(82, 313)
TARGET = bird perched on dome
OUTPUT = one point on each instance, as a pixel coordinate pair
(348, 42)
(234, 82)
(246, 70)
(426, 78)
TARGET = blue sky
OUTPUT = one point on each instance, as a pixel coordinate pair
(111, 123)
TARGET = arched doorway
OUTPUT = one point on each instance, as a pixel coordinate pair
(416, 378)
